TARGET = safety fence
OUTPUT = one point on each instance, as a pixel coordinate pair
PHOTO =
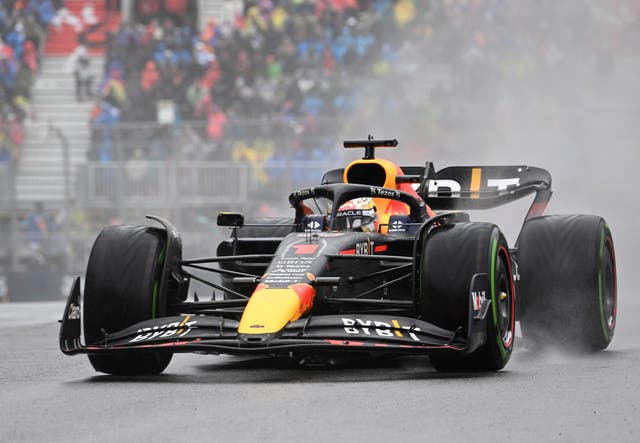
(139, 183)
(189, 193)
(196, 140)
(67, 253)
(6, 188)
(42, 270)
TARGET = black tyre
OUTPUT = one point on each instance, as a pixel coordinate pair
(452, 255)
(121, 289)
(568, 282)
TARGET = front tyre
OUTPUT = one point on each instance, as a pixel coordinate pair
(568, 282)
(452, 255)
(121, 289)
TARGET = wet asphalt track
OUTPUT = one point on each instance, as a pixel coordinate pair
(46, 396)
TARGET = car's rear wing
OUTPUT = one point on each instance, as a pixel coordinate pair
(483, 187)
(473, 187)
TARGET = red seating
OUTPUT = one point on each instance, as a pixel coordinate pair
(63, 38)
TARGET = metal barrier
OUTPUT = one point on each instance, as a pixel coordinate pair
(173, 170)
(141, 184)
(189, 193)
(41, 275)
(211, 183)
(190, 140)
(6, 189)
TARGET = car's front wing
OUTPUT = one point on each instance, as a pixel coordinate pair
(216, 334)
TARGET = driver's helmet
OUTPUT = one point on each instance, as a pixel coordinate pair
(358, 214)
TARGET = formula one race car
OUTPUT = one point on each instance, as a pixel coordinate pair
(366, 266)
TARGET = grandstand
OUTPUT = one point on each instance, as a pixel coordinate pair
(203, 105)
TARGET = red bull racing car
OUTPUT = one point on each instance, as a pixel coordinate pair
(379, 259)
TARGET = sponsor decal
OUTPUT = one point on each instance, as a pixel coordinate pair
(313, 225)
(74, 312)
(503, 184)
(364, 248)
(177, 329)
(292, 269)
(305, 192)
(396, 226)
(478, 297)
(445, 186)
(480, 302)
(453, 188)
(383, 192)
(349, 213)
(322, 234)
(375, 328)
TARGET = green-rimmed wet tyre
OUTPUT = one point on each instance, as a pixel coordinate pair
(452, 255)
(121, 289)
(568, 282)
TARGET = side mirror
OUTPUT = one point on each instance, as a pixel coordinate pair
(230, 219)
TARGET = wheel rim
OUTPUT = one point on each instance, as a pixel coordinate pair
(608, 289)
(504, 298)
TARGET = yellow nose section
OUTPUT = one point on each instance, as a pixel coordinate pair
(269, 310)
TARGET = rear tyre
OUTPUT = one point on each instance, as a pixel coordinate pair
(452, 255)
(121, 289)
(568, 282)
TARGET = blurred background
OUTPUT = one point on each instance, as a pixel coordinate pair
(110, 110)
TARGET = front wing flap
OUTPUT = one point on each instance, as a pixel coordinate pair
(216, 334)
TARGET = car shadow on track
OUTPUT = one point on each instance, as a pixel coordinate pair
(233, 370)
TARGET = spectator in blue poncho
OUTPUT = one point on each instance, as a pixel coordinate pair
(16, 39)
(44, 9)
(8, 70)
(105, 117)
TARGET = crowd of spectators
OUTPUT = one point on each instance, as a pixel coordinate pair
(23, 25)
(302, 68)
(513, 59)
(293, 60)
